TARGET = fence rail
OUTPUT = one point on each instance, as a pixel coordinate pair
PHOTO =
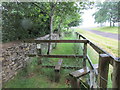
(57, 56)
(104, 59)
(56, 41)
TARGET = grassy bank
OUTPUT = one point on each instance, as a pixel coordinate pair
(107, 29)
(110, 45)
(34, 76)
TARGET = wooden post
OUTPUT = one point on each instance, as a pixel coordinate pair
(84, 54)
(56, 38)
(79, 36)
(74, 82)
(57, 70)
(103, 70)
(116, 75)
(92, 79)
(39, 51)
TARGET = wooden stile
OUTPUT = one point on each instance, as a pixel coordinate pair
(79, 73)
(104, 60)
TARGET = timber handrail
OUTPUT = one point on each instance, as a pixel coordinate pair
(96, 48)
(55, 41)
(104, 60)
(57, 56)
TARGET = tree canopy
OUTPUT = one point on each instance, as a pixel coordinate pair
(22, 20)
(107, 11)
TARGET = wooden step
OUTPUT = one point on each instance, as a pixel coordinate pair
(80, 72)
(58, 66)
(57, 70)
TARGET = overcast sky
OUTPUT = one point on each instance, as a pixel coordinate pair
(88, 19)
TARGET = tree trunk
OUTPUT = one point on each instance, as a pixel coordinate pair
(110, 24)
(110, 21)
(51, 25)
(67, 28)
(59, 27)
(113, 24)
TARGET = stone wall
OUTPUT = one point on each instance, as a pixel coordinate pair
(14, 58)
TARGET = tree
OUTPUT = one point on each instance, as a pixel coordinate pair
(22, 20)
(16, 17)
(107, 11)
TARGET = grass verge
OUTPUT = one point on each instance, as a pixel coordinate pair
(110, 45)
(107, 44)
(34, 76)
(107, 29)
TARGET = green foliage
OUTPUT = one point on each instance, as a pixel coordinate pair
(36, 77)
(22, 20)
(107, 11)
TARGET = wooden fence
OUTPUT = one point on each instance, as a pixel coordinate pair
(104, 60)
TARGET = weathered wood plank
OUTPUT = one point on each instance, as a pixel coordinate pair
(104, 60)
(55, 41)
(84, 54)
(57, 56)
(80, 72)
(64, 67)
(74, 83)
(57, 70)
(116, 75)
(98, 49)
(93, 74)
(90, 62)
(61, 41)
(58, 66)
(92, 79)
(80, 35)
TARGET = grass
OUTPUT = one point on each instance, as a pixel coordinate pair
(36, 77)
(33, 76)
(107, 44)
(110, 45)
(107, 29)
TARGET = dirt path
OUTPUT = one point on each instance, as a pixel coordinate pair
(104, 34)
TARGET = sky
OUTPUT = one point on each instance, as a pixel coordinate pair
(88, 19)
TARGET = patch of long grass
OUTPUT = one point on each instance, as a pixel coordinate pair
(110, 45)
(107, 29)
(104, 43)
(34, 76)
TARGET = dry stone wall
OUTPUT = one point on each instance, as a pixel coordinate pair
(14, 58)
